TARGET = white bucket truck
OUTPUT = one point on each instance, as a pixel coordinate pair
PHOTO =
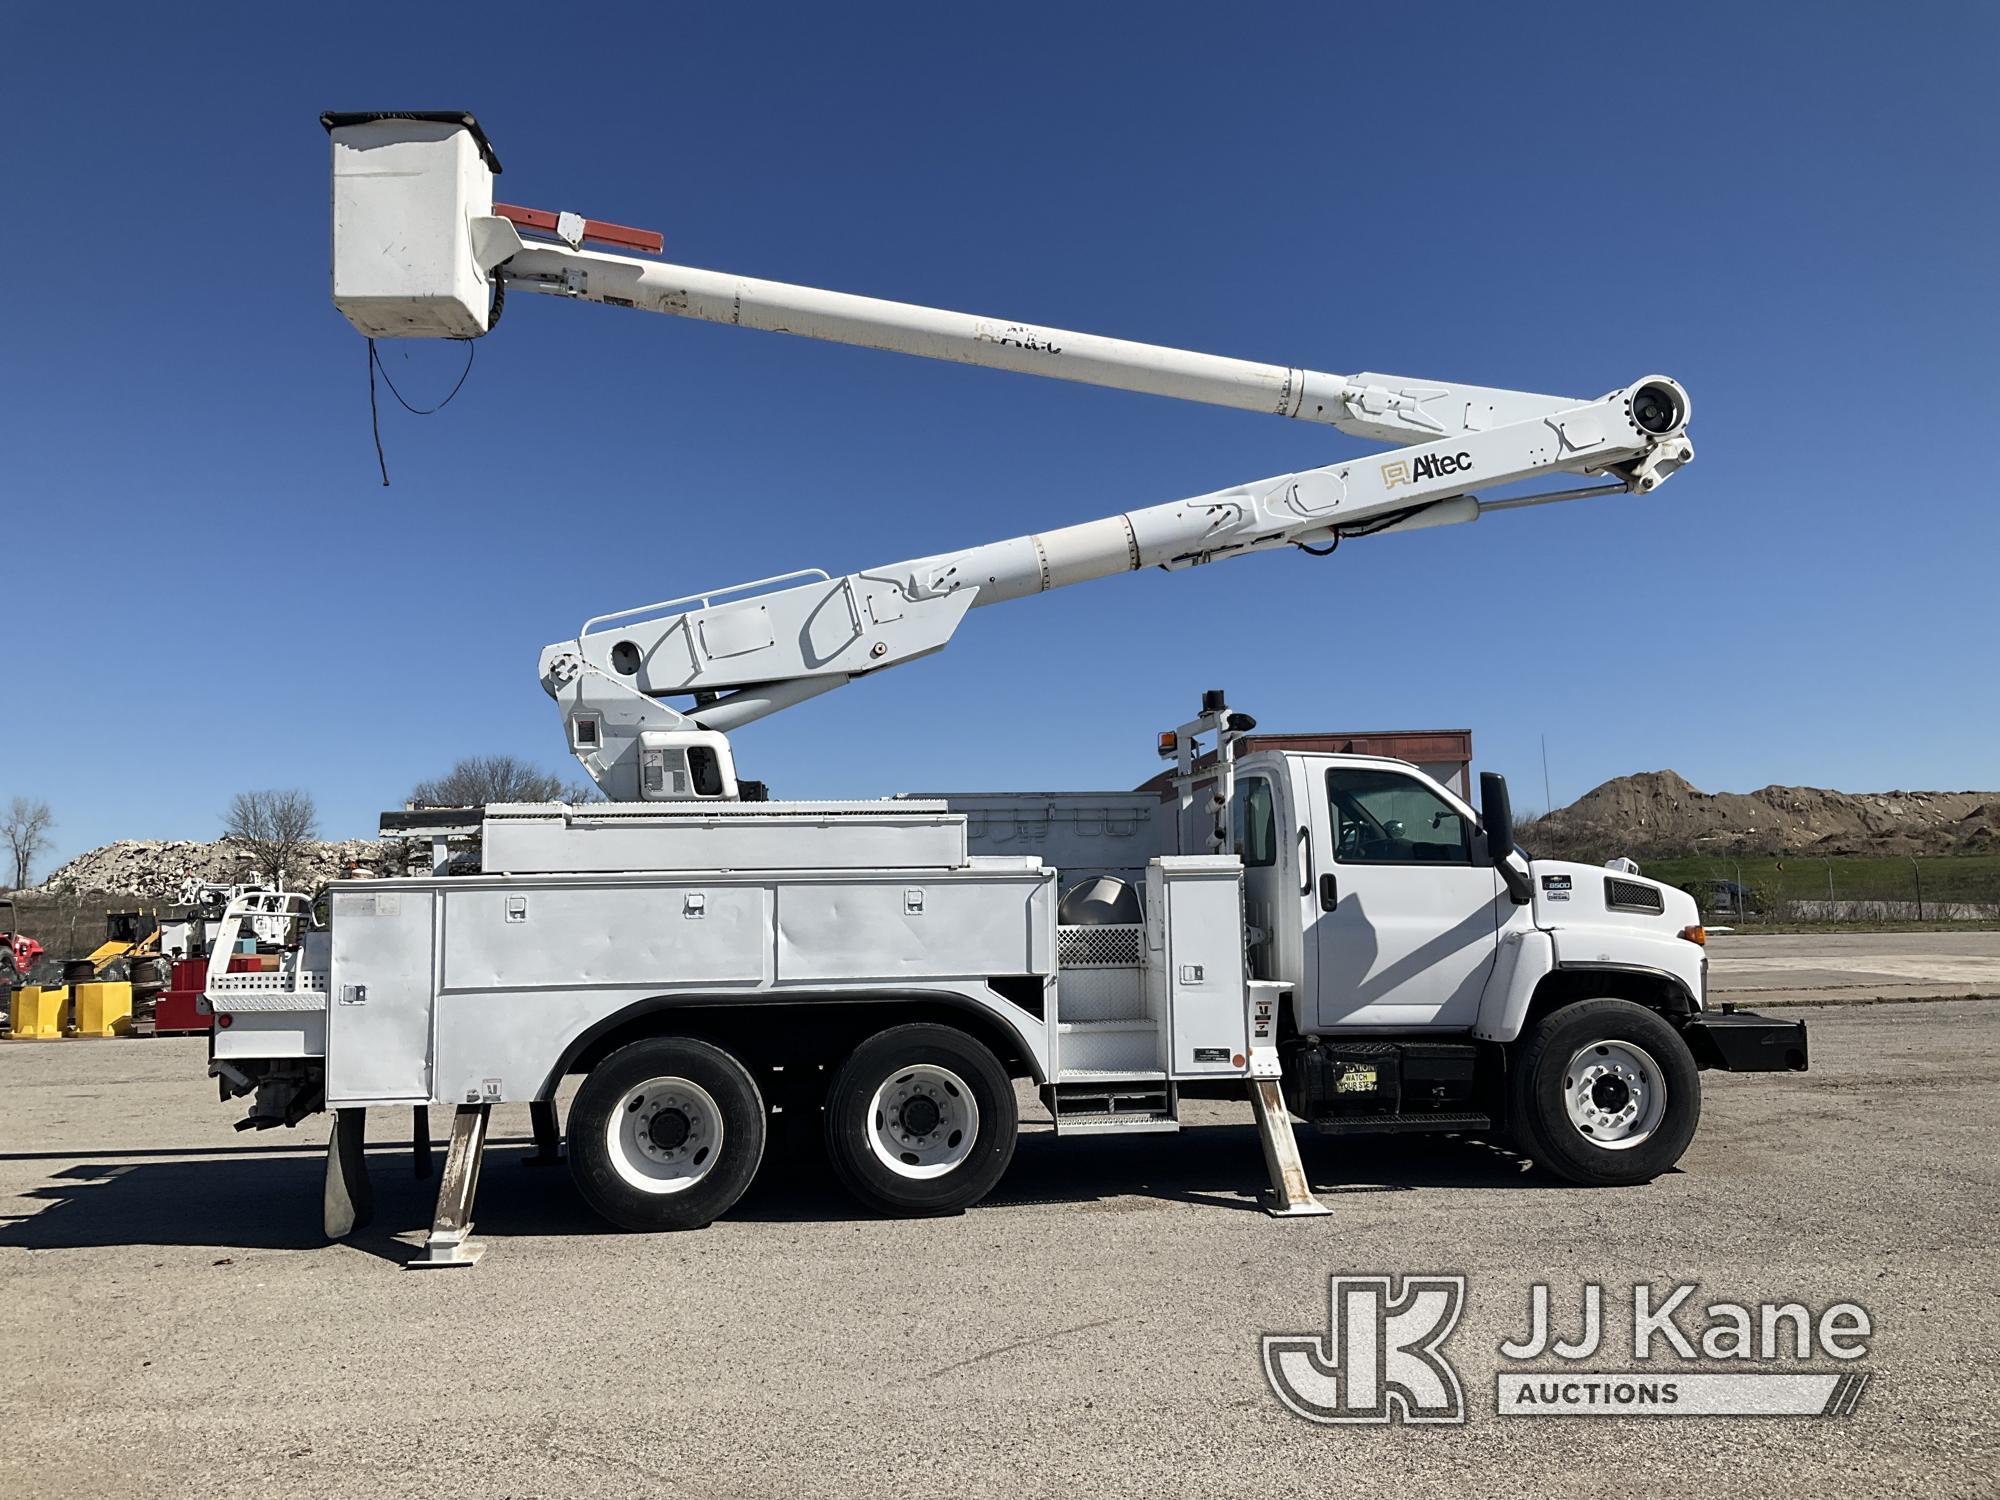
(1340, 936)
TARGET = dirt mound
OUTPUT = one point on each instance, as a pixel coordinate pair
(154, 869)
(1662, 814)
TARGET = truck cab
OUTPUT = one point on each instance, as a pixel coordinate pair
(1377, 893)
(1369, 889)
(1434, 974)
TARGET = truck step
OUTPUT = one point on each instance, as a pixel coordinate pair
(1117, 1124)
(1402, 1124)
(1107, 1048)
(1127, 1104)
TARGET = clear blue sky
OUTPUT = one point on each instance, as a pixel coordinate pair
(1794, 213)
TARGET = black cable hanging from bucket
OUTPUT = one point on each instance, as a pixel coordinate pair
(374, 412)
(375, 417)
(497, 306)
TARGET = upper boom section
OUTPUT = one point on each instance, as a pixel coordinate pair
(421, 250)
(418, 248)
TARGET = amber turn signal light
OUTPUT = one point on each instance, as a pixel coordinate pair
(1697, 935)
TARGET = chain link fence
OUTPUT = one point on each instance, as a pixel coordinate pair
(1809, 891)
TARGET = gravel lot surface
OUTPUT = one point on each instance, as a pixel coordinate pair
(1760, 969)
(175, 1326)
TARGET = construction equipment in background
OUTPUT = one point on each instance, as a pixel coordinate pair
(17, 956)
(128, 935)
(178, 1009)
(83, 1005)
(19, 953)
(162, 954)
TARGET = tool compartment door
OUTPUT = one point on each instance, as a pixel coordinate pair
(378, 1038)
(558, 936)
(1203, 959)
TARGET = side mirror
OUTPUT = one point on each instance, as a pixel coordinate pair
(1497, 813)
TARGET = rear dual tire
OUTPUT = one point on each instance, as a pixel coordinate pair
(921, 1121)
(666, 1133)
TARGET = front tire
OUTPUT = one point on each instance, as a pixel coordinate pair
(921, 1120)
(1605, 1093)
(666, 1133)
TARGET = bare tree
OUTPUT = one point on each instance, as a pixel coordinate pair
(275, 826)
(27, 834)
(481, 779)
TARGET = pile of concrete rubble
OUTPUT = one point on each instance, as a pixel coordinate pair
(156, 869)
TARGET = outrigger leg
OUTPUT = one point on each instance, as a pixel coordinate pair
(1290, 1195)
(450, 1242)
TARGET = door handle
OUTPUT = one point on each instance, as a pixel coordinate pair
(1306, 860)
(1329, 892)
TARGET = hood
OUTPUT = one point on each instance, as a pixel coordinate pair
(1571, 895)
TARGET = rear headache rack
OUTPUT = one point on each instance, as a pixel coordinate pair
(291, 986)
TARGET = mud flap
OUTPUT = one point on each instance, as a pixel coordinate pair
(420, 1140)
(348, 1200)
(548, 1135)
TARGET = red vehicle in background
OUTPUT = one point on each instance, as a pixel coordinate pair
(17, 948)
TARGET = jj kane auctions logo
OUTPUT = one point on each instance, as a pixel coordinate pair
(1382, 1357)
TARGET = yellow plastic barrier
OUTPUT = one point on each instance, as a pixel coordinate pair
(104, 1008)
(38, 1011)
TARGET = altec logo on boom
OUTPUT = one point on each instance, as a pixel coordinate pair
(1382, 1357)
(1427, 466)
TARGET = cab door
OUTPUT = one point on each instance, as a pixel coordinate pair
(1259, 815)
(1404, 923)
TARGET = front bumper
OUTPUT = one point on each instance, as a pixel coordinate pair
(1741, 1041)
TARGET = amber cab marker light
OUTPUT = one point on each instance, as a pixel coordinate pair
(1169, 742)
(1697, 935)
